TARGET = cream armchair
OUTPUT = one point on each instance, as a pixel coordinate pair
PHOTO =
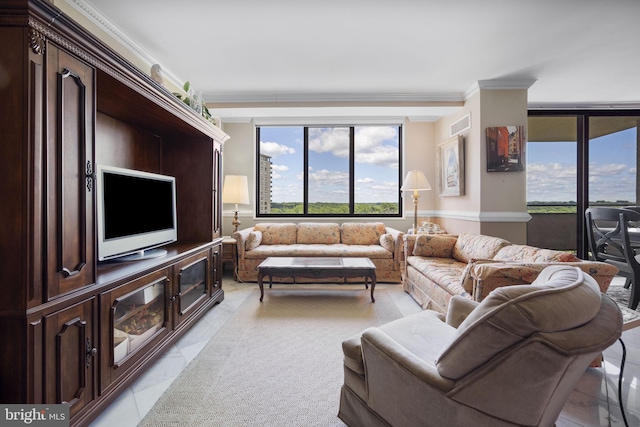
(512, 359)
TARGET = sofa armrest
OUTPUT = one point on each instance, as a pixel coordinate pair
(241, 238)
(377, 342)
(490, 276)
(398, 242)
(459, 308)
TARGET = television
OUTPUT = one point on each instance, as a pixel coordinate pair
(136, 213)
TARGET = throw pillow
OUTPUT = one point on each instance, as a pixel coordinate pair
(277, 233)
(318, 233)
(434, 246)
(361, 233)
(386, 241)
(477, 246)
(253, 240)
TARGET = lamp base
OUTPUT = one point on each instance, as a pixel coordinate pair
(236, 222)
(415, 212)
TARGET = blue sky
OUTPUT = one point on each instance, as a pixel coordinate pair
(551, 169)
(376, 166)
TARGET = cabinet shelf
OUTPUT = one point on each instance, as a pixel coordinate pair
(137, 316)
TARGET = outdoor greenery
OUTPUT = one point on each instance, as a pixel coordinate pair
(387, 208)
(384, 208)
(569, 207)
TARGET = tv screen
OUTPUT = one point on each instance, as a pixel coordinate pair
(136, 212)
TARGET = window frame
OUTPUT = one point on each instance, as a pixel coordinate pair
(351, 185)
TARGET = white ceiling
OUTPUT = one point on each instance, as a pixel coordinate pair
(579, 53)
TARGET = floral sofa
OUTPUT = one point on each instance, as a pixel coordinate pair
(381, 244)
(471, 265)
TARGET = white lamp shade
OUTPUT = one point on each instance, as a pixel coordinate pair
(415, 180)
(235, 190)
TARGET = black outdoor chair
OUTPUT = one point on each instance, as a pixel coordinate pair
(609, 241)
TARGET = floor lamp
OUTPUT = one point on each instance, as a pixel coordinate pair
(235, 190)
(416, 181)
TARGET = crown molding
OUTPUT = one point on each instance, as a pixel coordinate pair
(106, 25)
(319, 97)
(498, 84)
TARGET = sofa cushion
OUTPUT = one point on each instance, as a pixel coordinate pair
(362, 233)
(445, 272)
(316, 232)
(387, 242)
(434, 246)
(277, 233)
(561, 298)
(253, 240)
(526, 253)
(469, 246)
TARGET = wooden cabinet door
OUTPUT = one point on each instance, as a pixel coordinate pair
(217, 190)
(69, 356)
(216, 270)
(192, 284)
(70, 198)
(134, 318)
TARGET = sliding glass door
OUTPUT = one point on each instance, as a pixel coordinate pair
(552, 182)
(576, 160)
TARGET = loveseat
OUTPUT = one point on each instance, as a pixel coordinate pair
(381, 244)
(472, 265)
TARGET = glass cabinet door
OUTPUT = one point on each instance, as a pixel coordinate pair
(137, 316)
(192, 280)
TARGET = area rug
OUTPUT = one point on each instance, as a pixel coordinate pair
(276, 363)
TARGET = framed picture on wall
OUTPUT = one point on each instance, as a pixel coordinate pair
(451, 167)
(505, 149)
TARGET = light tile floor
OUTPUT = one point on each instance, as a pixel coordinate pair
(593, 403)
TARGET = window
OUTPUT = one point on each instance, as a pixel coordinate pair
(328, 170)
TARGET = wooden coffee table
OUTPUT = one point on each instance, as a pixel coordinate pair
(317, 268)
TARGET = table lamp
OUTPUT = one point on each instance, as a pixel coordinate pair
(416, 181)
(235, 190)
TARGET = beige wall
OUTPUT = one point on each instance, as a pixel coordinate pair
(238, 158)
(503, 192)
(459, 214)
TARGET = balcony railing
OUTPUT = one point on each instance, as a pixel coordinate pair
(553, 226)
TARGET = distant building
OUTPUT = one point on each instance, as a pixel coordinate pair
(264, 190)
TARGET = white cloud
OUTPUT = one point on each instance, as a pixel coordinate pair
(275, 149)
(330, 140)
(370, 145)
(366, 180)
(607, 169)
(373, 136)
(555, 182)
(326, 177)
(383, 155)
(279, 168)
(372, 191)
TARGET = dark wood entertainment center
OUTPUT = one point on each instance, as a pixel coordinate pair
(74, 330)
